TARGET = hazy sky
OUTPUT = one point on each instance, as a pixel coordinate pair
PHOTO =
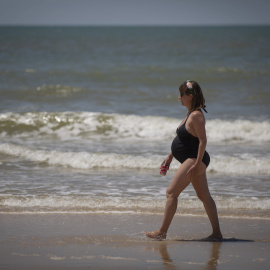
(134, 12)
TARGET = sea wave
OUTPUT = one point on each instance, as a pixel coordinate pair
(86, 160)
(91, 125)
(248, 206)
(62, 90)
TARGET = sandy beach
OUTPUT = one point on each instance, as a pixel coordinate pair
(116, 241)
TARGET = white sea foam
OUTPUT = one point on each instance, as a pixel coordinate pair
(238, 130)
(84, 204)
(239, 166)
(85, 160)
(82, 160)
(89, 125)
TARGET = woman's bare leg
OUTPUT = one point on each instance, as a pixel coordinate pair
(179, 182)
(201, 187)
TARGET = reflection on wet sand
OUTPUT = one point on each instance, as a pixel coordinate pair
(211, 264)
(167, 261)
(161, 248)
(215, 253)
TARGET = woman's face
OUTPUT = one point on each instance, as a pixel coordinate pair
(186, 100)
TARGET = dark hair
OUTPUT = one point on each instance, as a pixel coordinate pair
(198, 100)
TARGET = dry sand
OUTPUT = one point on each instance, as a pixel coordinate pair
(116, 241)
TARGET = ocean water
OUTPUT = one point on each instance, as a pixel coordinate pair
(88, 114)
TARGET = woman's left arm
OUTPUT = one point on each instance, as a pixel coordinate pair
(198, 125)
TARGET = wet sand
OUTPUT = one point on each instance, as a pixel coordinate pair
(116, 241)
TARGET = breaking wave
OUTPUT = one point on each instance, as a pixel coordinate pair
(90, 125)
(86, 160)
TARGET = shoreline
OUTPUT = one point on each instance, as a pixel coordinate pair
(199, 214)
(110, 241)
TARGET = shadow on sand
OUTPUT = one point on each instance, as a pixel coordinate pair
(215, 240)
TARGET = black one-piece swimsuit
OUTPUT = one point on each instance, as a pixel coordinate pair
(185, 146)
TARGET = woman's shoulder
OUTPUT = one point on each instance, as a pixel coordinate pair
(197, 116)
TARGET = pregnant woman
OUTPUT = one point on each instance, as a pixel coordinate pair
(188, 148)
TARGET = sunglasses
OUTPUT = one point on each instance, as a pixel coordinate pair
(189, 91)
(182, 94)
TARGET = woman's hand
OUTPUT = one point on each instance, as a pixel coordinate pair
(167, 161)
(194, 170)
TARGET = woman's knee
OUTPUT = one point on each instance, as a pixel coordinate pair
(170, 194)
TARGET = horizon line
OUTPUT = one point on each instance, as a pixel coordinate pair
(133, 25)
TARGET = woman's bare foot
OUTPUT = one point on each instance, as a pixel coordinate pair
(156, 235)
(214, 237)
